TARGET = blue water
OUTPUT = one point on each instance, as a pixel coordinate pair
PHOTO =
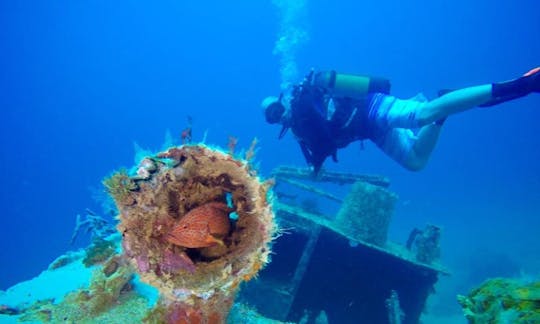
(81, 82)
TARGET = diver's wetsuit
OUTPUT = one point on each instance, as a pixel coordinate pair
(309, 124)
(385, 120)
(321, 133)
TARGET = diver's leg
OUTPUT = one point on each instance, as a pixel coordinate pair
(483, 95)
(453, 102)
(423, 146)
(409, 150)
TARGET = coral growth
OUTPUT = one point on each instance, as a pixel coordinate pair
(120, 185)
(109, 288)
(99, 251)
(105, 289)
(178, 235)
(233, 142)
(179, 312)
(146, 167)
(64, 260)
(503, 301)
(250, 154)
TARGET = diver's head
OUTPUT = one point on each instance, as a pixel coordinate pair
(273, 109)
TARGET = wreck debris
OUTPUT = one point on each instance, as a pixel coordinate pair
(349, 243)
(328, 176)
(395, 314)
(312, 189)
(425, 243)
(366, 213)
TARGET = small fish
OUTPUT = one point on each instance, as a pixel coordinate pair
(203, 226)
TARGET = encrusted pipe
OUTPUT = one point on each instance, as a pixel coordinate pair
(195, 222)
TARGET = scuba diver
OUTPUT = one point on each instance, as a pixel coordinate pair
(329, 110)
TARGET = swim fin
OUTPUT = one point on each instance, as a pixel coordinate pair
(513, 89)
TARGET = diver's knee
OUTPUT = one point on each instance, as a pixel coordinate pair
(425, 117)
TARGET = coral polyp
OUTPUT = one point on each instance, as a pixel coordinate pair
(178, 235)
(120, 185)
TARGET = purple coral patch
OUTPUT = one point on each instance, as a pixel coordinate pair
(142, 263)
(172, 262)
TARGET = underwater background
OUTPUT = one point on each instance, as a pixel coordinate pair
(81, 82)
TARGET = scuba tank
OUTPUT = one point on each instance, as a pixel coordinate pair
(350, 85)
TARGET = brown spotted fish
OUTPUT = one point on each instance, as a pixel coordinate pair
(203, 226)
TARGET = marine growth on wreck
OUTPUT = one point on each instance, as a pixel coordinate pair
(195, 223)
(502, 300)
